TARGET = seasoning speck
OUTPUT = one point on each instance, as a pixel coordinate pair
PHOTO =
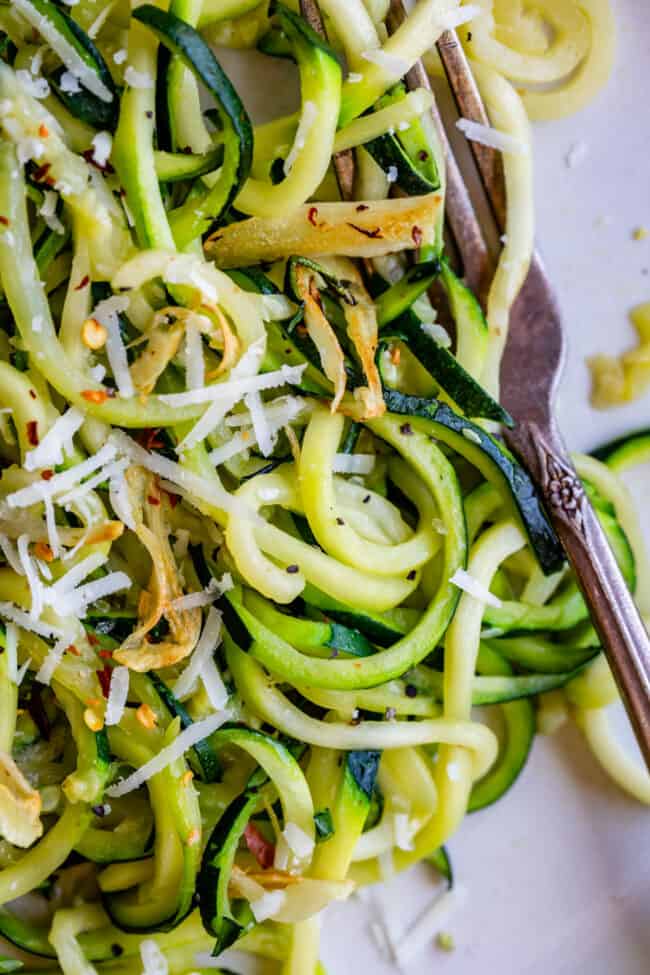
(292, 569)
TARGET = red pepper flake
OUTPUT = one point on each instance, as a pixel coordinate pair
(417, 235)
(32, 433)
(104, 678)
(32, 393)
(362, 207)
(41, 172)
(73, 650)
(47, 475)
(302, 330)
(312, 214)
(259, 846)
(89, 156)
(149, 439)
(172, 498)
(92, 639)
(95, 395)
(375, 234)
(153, 500)
(83, 283)
(102, 654)
(4, 221)
(43, 131)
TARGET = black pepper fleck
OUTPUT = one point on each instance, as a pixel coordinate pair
(292, 569)
(366, 499)
(411, 690)
(411, 575)
(339, 521)
(406, 429)
(117, 950)
(149, 113)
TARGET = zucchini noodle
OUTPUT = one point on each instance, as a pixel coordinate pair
(259, 559)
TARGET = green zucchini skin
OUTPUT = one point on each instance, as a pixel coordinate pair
(441, 860)
(172, 167)
(206, 758)
(394, 301)
(83, 105)
(625, 451)
(226, 921)
(542, 656)
(445, 368)
(520, 727)
(493, 459)
(471, 323)
(49, 246)
(282, 348)
(25, 935)
(568, 609)
(383, 629)
(308, 633)
(194, 218)
(389, 154)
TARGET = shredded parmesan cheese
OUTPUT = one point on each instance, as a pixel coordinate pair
(48, 212)
(153, 960)
(268, 905)
(421, 933)
(394, 66)
(307, 118)
(137, 79)
(71, 58)
(54, 656)
(118, 693)
(102, 145)
(493, 138)
(36, 87)
(56, 442)
(200, 662)
(463, 580)
(301, 845)
(69, 84)
(35, 493)
(31, 573)
(439, 334)
(236, 388)
(106, 313)
(195, 733)
(253, 402)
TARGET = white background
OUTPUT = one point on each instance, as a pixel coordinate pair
(558, 872)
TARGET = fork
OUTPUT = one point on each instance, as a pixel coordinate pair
(535, 335)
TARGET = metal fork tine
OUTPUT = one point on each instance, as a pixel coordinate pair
(459, 210)
(470, 105)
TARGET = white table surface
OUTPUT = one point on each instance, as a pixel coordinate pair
(558, 872)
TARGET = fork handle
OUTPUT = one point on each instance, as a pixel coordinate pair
(613, 611)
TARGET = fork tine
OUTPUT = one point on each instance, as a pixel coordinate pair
(470, 105)
(461, 217)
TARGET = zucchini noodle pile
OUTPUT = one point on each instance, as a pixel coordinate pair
(260, 555)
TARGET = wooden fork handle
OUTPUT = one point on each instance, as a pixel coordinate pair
(613, 611)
